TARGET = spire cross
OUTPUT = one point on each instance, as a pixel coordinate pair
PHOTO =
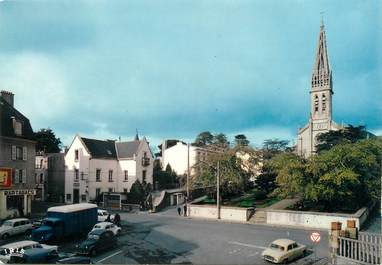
(322, 18)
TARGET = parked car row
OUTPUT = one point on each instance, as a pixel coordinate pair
(60, 223)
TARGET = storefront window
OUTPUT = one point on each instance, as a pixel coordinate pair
(15, 202)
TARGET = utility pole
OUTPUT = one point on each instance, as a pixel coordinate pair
(218, 189)
(188, 171)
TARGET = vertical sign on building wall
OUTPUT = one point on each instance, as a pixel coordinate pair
(5, 177)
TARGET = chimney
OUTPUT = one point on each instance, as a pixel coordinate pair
(8, 97)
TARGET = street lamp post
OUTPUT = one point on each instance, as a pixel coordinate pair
(218, 189)
(188, 171)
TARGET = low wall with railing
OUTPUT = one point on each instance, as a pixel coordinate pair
(316, 220)
(236, 214)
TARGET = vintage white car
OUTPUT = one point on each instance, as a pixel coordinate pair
(102, 215)
(15, 226)
(283, 251)
(108, 226)
(19, 247)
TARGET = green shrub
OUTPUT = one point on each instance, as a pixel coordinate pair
(246, 203)
(259, 195)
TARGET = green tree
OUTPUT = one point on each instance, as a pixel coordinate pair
(166, 179)
(346, 177)
(47, 141)
(241, 140)
(291, 174)
(204, 138)
(233, 179)
(266, 181)
(137, 193)
(349, 134)
(272, 147)
(220, 139)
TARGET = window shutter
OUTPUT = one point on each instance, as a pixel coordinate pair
(24, 176)
(25, 153)
(16, 176)
(13, 152)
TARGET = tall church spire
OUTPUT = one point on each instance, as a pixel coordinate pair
(322, 74)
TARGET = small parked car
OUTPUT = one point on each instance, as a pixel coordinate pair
(20, 246)
(34, 256)
(14, 227)
(98, 240)
(102, 215)
(283, 251)
(75, 260)
(109, 227)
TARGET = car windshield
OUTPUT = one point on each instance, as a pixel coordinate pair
(276, 247)
(92, 236)
(7, 223)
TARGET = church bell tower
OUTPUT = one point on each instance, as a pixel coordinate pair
(321, 94)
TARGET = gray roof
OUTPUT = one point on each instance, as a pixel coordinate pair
(99, 148)
(127, 149)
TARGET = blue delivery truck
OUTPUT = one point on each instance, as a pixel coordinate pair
(66, 221)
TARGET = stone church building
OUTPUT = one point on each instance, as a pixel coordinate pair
(321, 95)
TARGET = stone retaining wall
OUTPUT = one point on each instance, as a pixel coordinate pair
(238, 214)
(315, 219)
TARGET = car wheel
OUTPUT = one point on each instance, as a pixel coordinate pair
(93, 252)
(5, 236)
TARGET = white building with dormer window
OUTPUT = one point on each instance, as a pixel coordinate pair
(94, 168)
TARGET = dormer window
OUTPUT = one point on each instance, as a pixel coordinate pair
(17, 127)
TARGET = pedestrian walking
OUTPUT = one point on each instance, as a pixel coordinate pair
(185, 209)
(108, 218)
(179, 210)
(117, 219)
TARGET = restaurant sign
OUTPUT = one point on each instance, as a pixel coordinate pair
(19, 192)
(5, 177)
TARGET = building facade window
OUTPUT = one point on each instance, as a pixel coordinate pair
(83, 198)
(41, 178)
(126, 175)
(98, 192)
(82, 175)
(76, 155)
(110, 175)
(76, 173)
(143, 176)
(124, 190)
(98, 175)
(68, 197)
(110, 190)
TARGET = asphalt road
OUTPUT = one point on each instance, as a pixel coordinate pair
(167, 239)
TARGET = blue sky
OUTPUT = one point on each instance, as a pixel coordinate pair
(175, 68)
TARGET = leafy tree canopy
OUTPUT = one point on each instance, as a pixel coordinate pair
(349, 134)
(346, 177)
(241, 140)
(204, 138)
(47, 141)
(233, 178)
